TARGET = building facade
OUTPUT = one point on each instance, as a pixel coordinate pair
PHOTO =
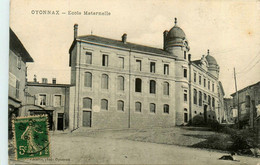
(118, 84)
(49, 99)
(18, 57)
(249, 103)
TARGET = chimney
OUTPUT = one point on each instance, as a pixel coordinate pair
(165, 33)
(75, 31)
(53, 80)
(124, 37)
(44, 80)
(34, 78)
(189, 57)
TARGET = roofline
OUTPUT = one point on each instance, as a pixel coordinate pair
(20, 49)
(241, 90)
(47, 84)
(120, 48)
(193, 64)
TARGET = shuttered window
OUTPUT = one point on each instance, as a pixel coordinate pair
(104, 104)
(88, 79)
(87, 103)
(166, 88)
(120, 83)
(120, 105)
(104, 81)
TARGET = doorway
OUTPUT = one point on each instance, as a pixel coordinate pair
(60, 121)
(86, 118)
(49, 114)
(205, 113)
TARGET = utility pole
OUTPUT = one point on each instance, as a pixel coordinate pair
(238, 112)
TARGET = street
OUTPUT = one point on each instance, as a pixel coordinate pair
(67, 148)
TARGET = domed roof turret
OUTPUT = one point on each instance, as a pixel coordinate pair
(211, 60)
(176, 32)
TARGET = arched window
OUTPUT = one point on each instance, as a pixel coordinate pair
(120, 83)
(195, 96)
(166, 88)
(138, 106)
(88, 79)
(104, 104)
(120, 105)
(104, 81)
(152, 86)
(209, 100)
(166, 108)
(87, 103)
(205, 97)
(88, 58)
(138, 85)
(152, 107)
(200, 98)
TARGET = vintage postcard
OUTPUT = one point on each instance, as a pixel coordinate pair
(134, 82)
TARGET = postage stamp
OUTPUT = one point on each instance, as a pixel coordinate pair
(31, 137)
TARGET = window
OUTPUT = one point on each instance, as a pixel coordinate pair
(195, 77)
(138, 65)
(185, 73)
(204, 82)
(121, 62)
(152, 67)
(200, 98)
(87, 103)
(120, 105)
(88, 79)
(120, 83)
(19, 62)
(166, 69)
(185, 95)
(205, 97)
(138, 85)
(152, 107)
(185, 116)
(185, 55)
(104, 104)
(57, 100)
(88, 58)
(166, 88)
(200, 80)
(213, 102)
(138, 107)
(195, 96)
(105, 60)
(213, 86)
(104, 81)
(17, 88)
(209, 100)
(42, 99)
(166, 108)
(209, 85)
(152, 86)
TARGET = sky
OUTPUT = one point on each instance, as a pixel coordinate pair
(229, 29)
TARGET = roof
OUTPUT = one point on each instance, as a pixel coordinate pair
(120, 44)
(241, 90)
(175, 32)
(47, 84)
(17, 46)
(211, 60)
(197, 62)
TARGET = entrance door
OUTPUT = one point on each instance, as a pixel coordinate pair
(60, 121)
(205, 113)
(86, 119)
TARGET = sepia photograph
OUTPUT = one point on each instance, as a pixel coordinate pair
(134, 82)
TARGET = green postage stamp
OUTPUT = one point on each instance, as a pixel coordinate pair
(31, 137)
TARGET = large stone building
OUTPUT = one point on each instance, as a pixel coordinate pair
(119, 84)
(18, 57)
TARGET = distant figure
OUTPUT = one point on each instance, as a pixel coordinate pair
(228, 157)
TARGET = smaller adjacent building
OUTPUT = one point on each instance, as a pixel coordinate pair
(249, 100)
(18, 57)
(50, 99)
